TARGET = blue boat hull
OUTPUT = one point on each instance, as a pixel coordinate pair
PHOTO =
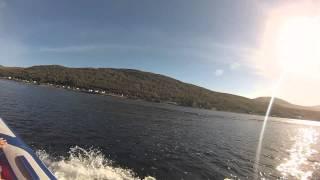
(17, 159)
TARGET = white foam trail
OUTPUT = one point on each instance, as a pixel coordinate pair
(82, 164)
(258, 151)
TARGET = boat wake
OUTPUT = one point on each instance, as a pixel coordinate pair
(85, 164)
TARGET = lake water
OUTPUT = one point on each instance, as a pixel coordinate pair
(83, 136)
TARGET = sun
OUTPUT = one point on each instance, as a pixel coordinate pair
(290, 41)
(297, 45)
(288, 51)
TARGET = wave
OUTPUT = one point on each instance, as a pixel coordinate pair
(86, 164)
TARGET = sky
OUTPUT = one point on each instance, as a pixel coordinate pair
(211, 43)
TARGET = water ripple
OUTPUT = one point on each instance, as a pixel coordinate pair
(297, 165)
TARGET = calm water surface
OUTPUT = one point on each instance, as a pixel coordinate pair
(86, 136)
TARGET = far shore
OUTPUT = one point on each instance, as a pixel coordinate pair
(70, 88)
(105, 93)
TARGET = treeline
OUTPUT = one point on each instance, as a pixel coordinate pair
(148, 86)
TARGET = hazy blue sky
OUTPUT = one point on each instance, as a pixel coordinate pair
(204, 42)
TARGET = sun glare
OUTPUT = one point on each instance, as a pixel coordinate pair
(290, 41)
(290, 45)
(297, 46)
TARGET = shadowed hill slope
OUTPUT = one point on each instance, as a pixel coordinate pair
(153, 87)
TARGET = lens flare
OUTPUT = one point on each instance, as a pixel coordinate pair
(266, 118)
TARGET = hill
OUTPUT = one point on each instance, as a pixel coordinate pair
(148, 86)
(284, 103)
(315, 108)
(276, 101)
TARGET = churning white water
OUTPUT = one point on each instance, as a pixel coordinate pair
(82, 164)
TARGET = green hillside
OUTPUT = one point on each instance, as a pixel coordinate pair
(148, 86)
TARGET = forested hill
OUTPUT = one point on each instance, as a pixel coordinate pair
(150, 87)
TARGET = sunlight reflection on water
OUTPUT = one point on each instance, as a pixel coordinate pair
(298, 165)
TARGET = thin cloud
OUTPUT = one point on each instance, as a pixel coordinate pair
(229, 55)
(87, 48)
(219, 72)
(234, 66)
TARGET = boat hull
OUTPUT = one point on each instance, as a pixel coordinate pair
(20, 160)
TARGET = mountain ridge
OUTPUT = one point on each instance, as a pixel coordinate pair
(136, 84)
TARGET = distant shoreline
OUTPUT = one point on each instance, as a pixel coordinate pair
(90, 91)
(150, 87)
(69, 88)
(164, 103)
